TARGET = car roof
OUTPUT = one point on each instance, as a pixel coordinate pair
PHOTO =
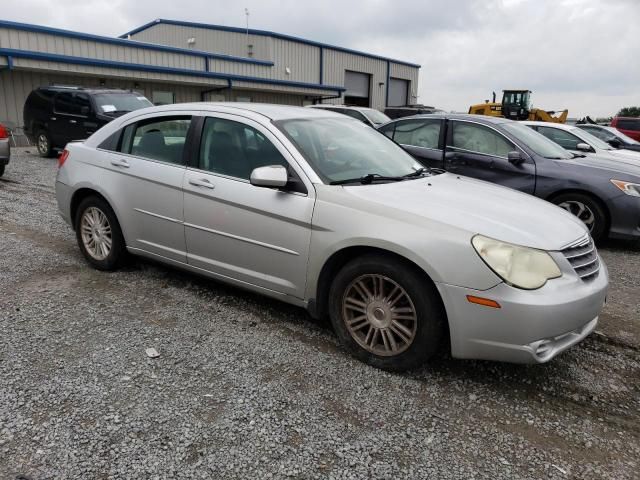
(459, 116)
(271, 111)
(560, 126)
(349, 107)
(62, 88)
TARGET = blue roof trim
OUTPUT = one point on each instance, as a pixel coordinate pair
(52, 57)
(264, 33)
(129, 43)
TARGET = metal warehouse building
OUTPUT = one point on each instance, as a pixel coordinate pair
(171, 61)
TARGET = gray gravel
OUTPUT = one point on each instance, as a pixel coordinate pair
(246, 387)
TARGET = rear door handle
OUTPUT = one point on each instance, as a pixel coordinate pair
(120, 163)
(202, 182)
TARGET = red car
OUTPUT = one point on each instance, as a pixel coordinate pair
(630, 126)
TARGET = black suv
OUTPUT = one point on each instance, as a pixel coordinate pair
(56, 115)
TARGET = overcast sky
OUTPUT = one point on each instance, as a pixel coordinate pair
(583, 55)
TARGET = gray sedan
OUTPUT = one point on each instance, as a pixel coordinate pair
(319, 210)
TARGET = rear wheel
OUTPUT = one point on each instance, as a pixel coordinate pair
(586, 209)
(98, 233)
(386, 313)
(1, 170)
(43, 144)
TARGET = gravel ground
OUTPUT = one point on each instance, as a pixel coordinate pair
(246, 387)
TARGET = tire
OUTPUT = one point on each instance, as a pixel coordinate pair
(43, 144)
(97, 225)
(2, 170)
(404, 289)
(587, 209)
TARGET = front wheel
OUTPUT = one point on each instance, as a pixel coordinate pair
(98, 233)
(386, 313)
(586, 209)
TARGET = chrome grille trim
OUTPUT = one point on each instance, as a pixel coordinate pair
(583, 257)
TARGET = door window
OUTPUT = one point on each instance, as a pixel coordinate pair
(63, 103)
(354, 114)
(82, 104)
(480, 139)
(561, 137)
(418, 133)
(157, 139)
(235, 149)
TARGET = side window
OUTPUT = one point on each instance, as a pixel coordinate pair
(157, 139)
(235, 149)
(628, 124)
(419, 133)
(81, 104)
(480, 139)
(63, 103)
(111, 142)
(564, 139)
(388, 130)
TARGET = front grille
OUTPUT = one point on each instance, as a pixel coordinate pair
(583, 257)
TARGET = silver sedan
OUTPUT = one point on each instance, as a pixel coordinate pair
(321, 211)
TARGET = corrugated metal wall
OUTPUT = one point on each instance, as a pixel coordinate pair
(407, 73)
(337, 62)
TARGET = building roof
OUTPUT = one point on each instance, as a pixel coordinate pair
(264, 33)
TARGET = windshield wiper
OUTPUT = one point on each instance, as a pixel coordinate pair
(374, 177)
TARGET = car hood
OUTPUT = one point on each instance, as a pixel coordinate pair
(614, 161)
(470, 205)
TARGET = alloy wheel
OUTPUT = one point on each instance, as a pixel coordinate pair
(95, 231)
(43, 144)
(580, 210)
(379, 315)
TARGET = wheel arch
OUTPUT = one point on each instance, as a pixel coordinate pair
(319, 306)
(595, 197)
(87, 191)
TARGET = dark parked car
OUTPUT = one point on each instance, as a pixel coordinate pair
(5, 148)
(56, 115)
(603, 192)
(630, 126)
(409, 110)
(611, 135)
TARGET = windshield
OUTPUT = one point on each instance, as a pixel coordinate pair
(536, 141)
(110, 103)
(591, 139)
(339, 149)
(621, 135)
(375, 116)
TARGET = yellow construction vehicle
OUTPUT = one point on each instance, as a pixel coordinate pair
(516, 105)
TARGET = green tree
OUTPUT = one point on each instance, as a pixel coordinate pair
(629, 112)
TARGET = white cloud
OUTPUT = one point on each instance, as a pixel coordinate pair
(576, 54)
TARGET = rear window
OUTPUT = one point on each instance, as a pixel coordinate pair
(628, 124)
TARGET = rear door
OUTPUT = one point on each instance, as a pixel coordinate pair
(422, 138)
(143, 174)
(254, 235)
(480, 151)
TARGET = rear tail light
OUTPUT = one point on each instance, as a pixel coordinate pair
(63, 157)
(3, 132)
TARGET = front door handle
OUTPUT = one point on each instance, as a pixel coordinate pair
(72, 121)
(202, 182)
(120, 163)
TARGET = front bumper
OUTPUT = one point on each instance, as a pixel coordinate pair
(5, 151)
(532, 326)
(625, 217)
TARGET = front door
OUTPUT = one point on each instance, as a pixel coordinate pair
(479, 151)
(70, 116)
(422, 138)
(255, 235)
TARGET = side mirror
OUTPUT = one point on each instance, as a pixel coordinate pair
(584, 147)
(272, 176)
(515, 157)
(614, 142)
(85, 111)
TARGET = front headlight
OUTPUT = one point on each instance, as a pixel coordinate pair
(520, 267)
(629, 188)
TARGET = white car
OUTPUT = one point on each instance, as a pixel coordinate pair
(321, 211)
(578, 140)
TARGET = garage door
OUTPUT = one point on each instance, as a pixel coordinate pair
(398, 92)
(357, 85)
